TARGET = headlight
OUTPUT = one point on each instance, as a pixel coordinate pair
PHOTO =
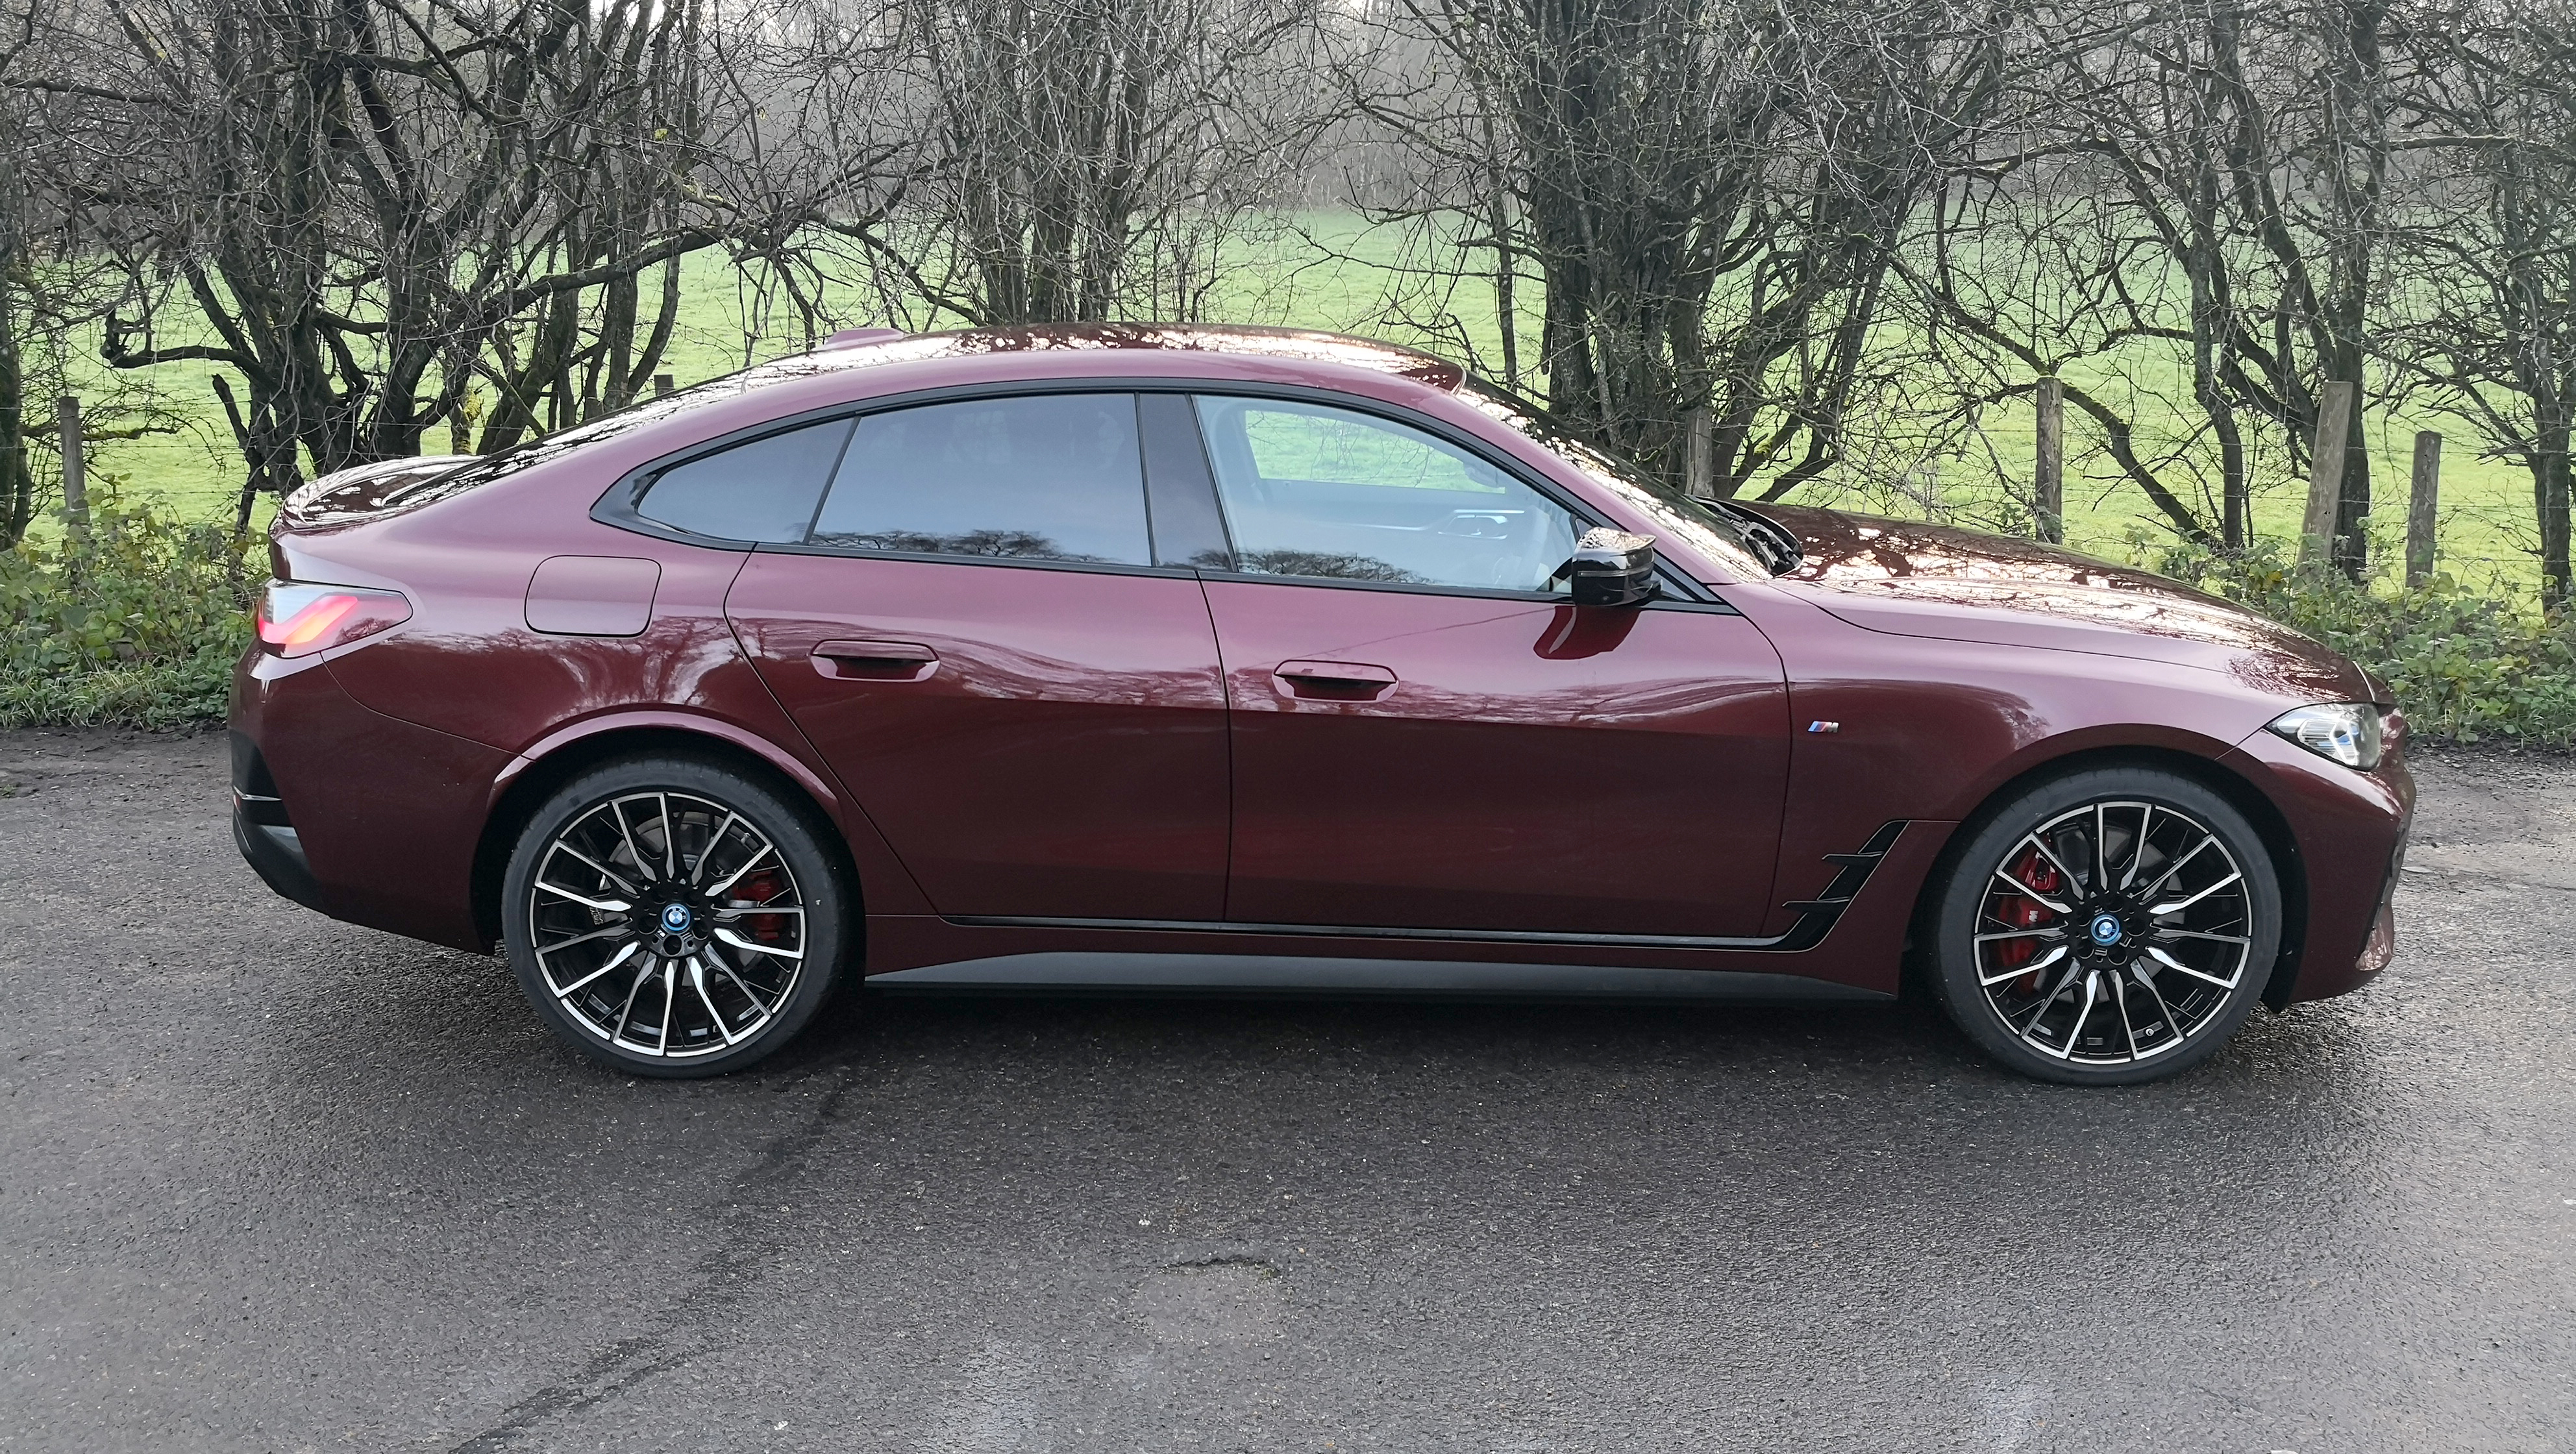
(2348, 732)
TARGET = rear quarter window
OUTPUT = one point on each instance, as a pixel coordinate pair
(763, 491)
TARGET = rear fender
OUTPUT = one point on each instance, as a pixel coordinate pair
(525, 782)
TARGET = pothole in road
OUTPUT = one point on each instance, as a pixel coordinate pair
(1215, 1302)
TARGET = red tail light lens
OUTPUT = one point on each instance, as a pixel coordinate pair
(296, 619)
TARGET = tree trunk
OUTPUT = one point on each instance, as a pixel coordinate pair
(17, 482)
(2549, 471)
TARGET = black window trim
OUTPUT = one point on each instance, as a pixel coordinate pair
(1679, 590)
(617, 505)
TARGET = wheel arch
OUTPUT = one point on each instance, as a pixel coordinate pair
(536, 774)
(2240, 792)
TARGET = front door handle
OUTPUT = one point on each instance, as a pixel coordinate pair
(1335, 681)
(876, 661)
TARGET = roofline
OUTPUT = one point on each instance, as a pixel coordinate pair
(1288, 345)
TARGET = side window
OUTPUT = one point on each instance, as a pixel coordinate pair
(761, 491)
(1041, 477)
(1339, 495)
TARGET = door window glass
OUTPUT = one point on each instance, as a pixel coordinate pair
(762, 491)
(1042, 477)
(1335, 494)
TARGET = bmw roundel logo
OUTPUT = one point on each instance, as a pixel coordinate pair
(676, 919)
(2106, 929)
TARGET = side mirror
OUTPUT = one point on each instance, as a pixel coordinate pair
(1610, 568)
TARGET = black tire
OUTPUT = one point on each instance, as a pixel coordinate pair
(759, 916)
(2044, 990)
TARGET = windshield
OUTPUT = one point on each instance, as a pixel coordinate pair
(1744, 542)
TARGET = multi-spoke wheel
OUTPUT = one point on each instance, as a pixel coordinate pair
(2108, 927)
(671, 917)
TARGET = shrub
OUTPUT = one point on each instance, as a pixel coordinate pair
(2465, 666)
(139, 627)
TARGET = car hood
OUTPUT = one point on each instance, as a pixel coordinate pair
(1907, 578)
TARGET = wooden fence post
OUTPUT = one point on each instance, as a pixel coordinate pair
(2325, 470)
(2420, 506)
(1699, 454)
(2052, 460)
(75, 467)
(663, 384)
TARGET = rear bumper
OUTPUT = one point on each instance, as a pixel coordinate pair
(363, 817)
(277, 855)
(262, 831)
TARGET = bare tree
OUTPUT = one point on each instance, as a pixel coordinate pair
(369, 210)
(1702, 189)
(52, 288)
(2490, 324)
(2210, 178)
(1091, 159)
(17, 269)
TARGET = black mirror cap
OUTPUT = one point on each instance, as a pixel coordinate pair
(1610, 568)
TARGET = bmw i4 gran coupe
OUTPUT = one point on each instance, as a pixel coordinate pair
(1268, 659)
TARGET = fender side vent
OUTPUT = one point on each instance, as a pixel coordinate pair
(1818, 914)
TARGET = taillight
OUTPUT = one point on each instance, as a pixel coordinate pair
(296, 619)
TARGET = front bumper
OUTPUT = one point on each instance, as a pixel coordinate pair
(2348, 832)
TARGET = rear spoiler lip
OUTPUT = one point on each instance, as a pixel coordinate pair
(363, 492)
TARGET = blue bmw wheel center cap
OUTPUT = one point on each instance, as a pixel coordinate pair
(2106, 929)
(676, 919)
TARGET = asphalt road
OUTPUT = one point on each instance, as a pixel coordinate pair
(272, 1182)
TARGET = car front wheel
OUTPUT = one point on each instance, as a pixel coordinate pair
(672, 917)
(2108, 927)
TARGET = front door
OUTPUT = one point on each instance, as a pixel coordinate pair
(977, 637)
(1428, 735)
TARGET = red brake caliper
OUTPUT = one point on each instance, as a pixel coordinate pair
(2018, 912)
(759, 888)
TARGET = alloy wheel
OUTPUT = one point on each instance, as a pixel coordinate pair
(666, 924)
(2114, 933)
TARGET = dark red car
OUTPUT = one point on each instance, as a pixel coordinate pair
(1196, 656)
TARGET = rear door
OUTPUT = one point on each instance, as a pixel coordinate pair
(1000, 648)
(1427, 734)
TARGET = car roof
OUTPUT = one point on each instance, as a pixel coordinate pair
(868, 348)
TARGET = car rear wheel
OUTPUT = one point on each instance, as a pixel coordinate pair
(671, 917)
(2108, 927)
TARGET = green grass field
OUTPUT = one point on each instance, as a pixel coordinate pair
(1329, 271)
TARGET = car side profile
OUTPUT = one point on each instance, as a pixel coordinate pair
(1259, 658)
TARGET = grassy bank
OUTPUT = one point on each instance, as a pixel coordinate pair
(1329, 270)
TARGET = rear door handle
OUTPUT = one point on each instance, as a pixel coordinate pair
(1342, 681)
(876, 661)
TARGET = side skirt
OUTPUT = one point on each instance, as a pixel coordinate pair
(1816, 917)
(1868, 907)
(1079, 972)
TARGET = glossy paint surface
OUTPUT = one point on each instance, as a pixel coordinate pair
(1908, 578)
(1030, 740)
(1523, 765)
(1119, 754)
